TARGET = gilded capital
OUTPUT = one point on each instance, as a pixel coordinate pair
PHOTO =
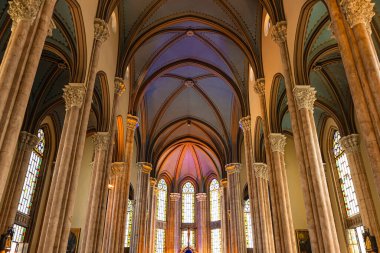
(223, 182)
(145, 167)
(201, 196)
(29, 139)
(119, 86)
(174, 196)
(261, 170)
(232, 168)
(245, 123)
(119, 168)
(350, 143)
(23, 10)
(101, 140)
(101, 32)
(74, 94)
(153, 182)
(279, 32)
(259, 86)
(358, 12)
(132, 122)
(305, 97)
(277, 142)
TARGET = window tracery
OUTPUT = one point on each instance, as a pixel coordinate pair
(248, 224)
(128, 227)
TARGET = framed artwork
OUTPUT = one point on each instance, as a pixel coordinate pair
(303, 241)
(73, 244)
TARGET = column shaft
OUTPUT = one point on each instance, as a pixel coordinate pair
(202, 233)
(151, 224)
(173, 239)
(224, 216)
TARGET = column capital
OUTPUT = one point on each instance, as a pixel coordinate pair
(279, 32)
(101, 32)
(119, 86)
(132, 122)
(358, 12)
(224, 182)
(350, 143)
(74, 94)
(153, 182)
(201, 196)
(305, 96)
(245, 123)
(261, 170)
(119, 168)
(277, 142)
(174, 196)
(259, 86)
(101, 140)
(145, 167)
(23, 10)
(29, 139)
(232, 168)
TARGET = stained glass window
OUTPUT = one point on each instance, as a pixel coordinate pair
(248, 224)
(19, 233)
(188, 199)
(216, 239)
(162, 196)
(160, 241)
(346, 184)
(188, 234)
(128, 226)
(214, 200)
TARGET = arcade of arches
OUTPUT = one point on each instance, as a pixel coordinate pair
(189, 126)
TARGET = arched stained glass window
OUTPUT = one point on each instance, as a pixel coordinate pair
(160, 241)
(248, 224)
(188, 200)
(128, 226)
(214, 200)
(162, 196)
(216, 240)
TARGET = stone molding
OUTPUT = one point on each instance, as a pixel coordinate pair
(174, 196)
(101, 31)
(279, 32)
(305, 97)
(52, 26)
(245, 123)
(23, 10)
(74, 94)
(201, 197)
(358, 12)
(101, 140)
(29, 139)
(261, 170)
(132, 122)
(119, 168)
(232, 168)
(119, 86)
(145, 167)
(259, 86)
(277, 142)
(350, 143)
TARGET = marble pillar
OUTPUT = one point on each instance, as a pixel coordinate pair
(235, 198)
(351, 145)
(173, 238)
(202, 233)
(151, 224)
(140, 215)
(224, 216)
(8, 210)
(277, 144)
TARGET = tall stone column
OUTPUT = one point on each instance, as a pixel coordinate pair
(235, 198)
(93, 231)
(202, 233)
(151, 224)
(351, 145)
(224, 216)
(140, 215)
(173, 238)
(277, 143)
(13, 191)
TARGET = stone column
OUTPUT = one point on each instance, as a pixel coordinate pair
(202, 233)
(151, 224)
(92, 231)
(235, 198)
(351, 145)
(140, 215)
(173, 233)
(16, 181)
(305, 97)
(224, 216)
(277, 143)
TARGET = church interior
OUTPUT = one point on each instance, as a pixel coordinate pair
(183, 126)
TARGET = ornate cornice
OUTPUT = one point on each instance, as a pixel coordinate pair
(101, 140)
(119, 168)
(233, 168)
(277, 142)
(261, 170)
(245, 123)
(145, 167)
(279, 32)
(305, 97)
(259, 86)
(74, 94)
(101, 32)
(201, 196)
(29, 139)
(119, 86)
(358, 12)
(23, 10)
(174, 196)
(132, 122)
(350, 143)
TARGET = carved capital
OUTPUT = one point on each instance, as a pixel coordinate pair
(245, 123)
(350, 143)
(279, 32)
(261, 170)
(305, 97)
(28, 139)
(144, 167)
(175, 196)
(153, 182)
(119, 86)
(358, 12)
(119, 168)
(259, 86)
(277, 142)
(101, 140)
(232, 168)
(201, 197)
(101, 32)
(132, 122)
(52, 26)
(74, 94)
(223, 182)
(23, 10)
